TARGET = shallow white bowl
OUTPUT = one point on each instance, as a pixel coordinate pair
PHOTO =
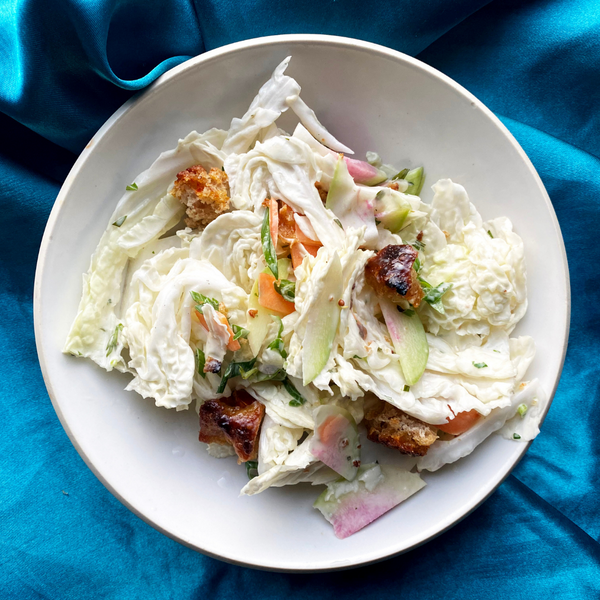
(371, 98)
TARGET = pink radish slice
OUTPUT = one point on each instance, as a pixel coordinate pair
(363, 172)
(350, 506)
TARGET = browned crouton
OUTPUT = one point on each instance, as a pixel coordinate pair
(233, 421)
(393, 428)
(390, 273)
(206, 195)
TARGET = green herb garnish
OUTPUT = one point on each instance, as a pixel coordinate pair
(522, 409)
(490, 234)
(418, 245)
(234, 369)
(277, 343)
(407, 388)
(339, 223)
(120, 221)
(200, 362)
(401, 175)
(201, 299)
(433, 295)
(248, 374)
(417, 264)
(267, 245)
(132, 188)
(251, 468)
(287, 289)
(479, 365)
(239, 332)
(279, 375)
(297, 398)
(114, 340)
(516, 436)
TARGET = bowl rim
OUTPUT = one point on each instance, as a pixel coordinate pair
(175, 72)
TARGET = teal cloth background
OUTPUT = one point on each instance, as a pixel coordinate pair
(66, 65)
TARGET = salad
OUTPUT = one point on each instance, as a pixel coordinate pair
(306, 303)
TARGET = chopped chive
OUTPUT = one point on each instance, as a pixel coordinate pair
(132, 188)
(251, 468)
(516, 436)
(490, 234)
(407, 388)
(200, 362)
(522, 410)
(286, 288)
(480, 365)
(297, 398)
(268, 246)
(120, 221)
(239, 332)
(113, 342)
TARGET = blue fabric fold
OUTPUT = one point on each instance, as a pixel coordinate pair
(66, 65)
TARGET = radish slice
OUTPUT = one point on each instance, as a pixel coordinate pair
(336, 442)
(363, 172)
(351, 505)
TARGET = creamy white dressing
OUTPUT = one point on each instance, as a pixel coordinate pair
(137, 313)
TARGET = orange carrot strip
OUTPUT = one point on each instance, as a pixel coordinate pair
(305, 239)
(274, 220)
(269, 298)
(232, 345)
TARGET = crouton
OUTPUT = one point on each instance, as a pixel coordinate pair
(393, 428)
(390, 273)
(206, 195)
(233, 421)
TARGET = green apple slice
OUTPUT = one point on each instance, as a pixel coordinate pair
(322, 322)
(409, 340)
(391, 209)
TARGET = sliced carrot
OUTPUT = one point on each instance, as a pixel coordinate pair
(312, 249)
(269, 298)
(274, 220)
(232, 345)
(299, 251)
(461, 422)
(201, 319)
(304, 239)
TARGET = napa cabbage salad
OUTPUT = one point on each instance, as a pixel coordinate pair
(308, 302)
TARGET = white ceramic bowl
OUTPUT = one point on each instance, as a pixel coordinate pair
(371, 98)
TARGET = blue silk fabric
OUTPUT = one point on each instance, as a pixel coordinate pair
(66, 65)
